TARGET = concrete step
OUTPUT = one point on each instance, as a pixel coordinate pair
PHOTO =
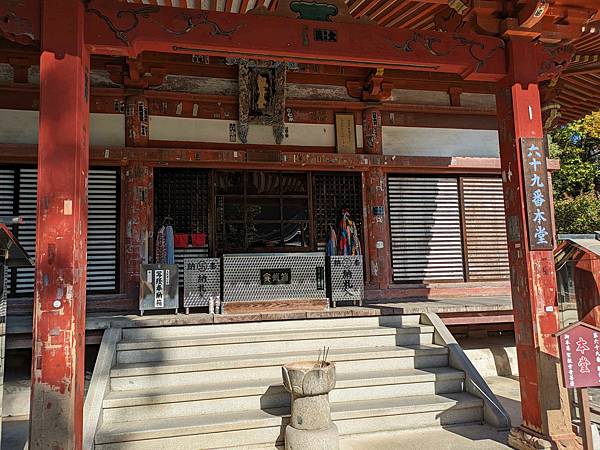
(174, 332)
(230, 369)
(269, 393)
(245, 428)
(190, 347)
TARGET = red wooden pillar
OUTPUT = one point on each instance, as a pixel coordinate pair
(544, 400)
(372, 139)
(60, 278)
(138, 193)
(137, 130)
(138, 221)
(375, 185)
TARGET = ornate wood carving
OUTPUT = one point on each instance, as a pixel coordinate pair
(373, 89)
(450, 21)
(319, 10)
(434, 46)
(533, 12)
(553, 61)
(141, 76)
(261, 96)
(20, 21)
(126, 20)
(176, 30)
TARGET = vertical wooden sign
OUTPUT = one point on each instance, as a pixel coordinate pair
(537, 194)
(345, 133)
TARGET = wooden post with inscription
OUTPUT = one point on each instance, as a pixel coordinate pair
(545, 402)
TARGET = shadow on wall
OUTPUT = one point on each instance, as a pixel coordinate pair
(15, 432)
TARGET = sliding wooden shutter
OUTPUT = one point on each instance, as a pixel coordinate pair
(485, 229)
(425, 229)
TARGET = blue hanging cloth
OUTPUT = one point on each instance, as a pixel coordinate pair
(170, 244)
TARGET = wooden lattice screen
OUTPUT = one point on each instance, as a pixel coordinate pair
(333, 192)
(183, 195)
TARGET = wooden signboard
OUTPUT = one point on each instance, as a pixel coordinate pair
(580, 358)
(580, 355)
(345, 133)
(537, 193)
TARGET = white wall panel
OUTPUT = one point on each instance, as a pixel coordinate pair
(21, 127)
(18, 127)
(107, 129)
(417, 141)
(163, 128)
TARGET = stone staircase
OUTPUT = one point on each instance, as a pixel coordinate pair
(219, 386)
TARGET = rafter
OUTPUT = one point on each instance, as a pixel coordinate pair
(425, 14)
(244, 6)
(406, 14)
(392, 12)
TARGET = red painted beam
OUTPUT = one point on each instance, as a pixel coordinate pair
(115, 28)
(59, 300)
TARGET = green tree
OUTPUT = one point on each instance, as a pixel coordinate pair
(577, 215)
(576, 184)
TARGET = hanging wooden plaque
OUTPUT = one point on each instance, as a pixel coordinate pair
(345, 133)
(537, 194)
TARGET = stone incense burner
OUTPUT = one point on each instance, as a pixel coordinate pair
(310, 428)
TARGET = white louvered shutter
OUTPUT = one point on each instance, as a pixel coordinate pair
(103, 204)
(7, 205)
(485, 229)
(425, 229)
(26, 192)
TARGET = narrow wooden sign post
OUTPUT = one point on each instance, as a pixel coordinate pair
(580, 358)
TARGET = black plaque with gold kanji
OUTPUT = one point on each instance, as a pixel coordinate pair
(537, 194)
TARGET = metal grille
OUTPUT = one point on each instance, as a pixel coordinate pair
(425, 229)
(346, 279)
(485, 229)
(21, 184)
(202, 281)
(182, 194)
(242, 277)
(190, 252)
(332, 192)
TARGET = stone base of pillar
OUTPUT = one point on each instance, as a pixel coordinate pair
(522, 438)
(327, 439)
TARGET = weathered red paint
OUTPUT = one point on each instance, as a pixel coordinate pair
(138, 221)
(178, 30)
(20, 21)
(580, 358)
(587, 286)
(137, 128)
(376, 229)
(546, 414)
(372, 131)
(59, 303)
